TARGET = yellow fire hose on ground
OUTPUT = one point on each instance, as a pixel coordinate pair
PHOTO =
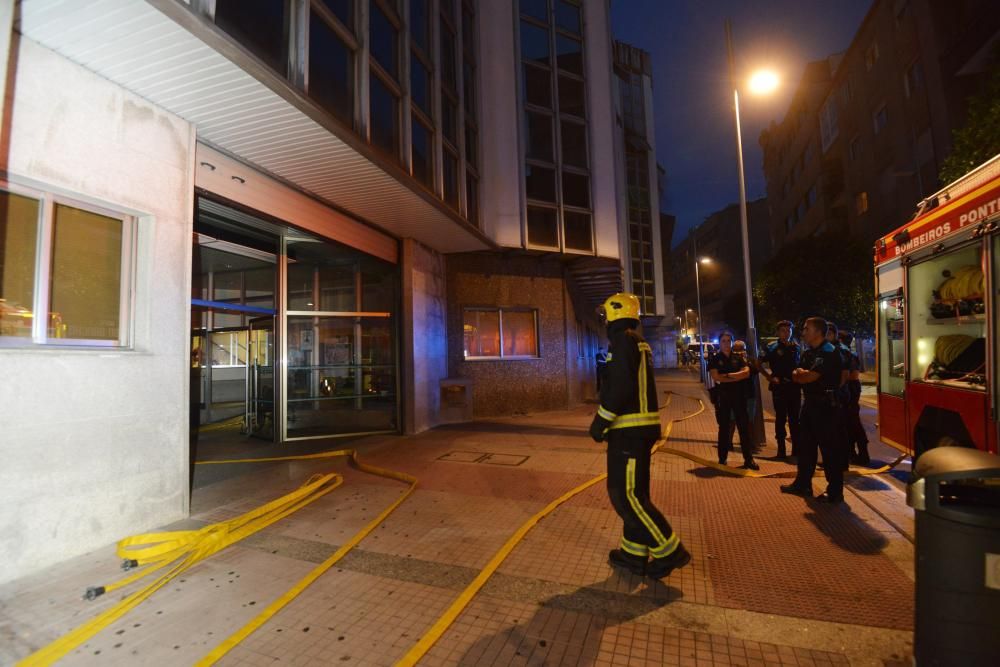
(177, 551)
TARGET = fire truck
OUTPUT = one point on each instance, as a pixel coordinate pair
(937, 278)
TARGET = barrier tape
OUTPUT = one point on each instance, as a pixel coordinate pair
(179, 550)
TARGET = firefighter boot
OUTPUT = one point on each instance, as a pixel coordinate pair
(658, 568)
(622, 559)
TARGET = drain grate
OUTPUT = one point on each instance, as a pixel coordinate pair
(490, 458)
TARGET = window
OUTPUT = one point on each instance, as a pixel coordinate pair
(913, 80)
(450, 178)
(811, 197)
(871, 56)
(331, 70)
(259, 25)
(500, 333)
(855, 150)
(828, 128)
(70, 261)
(789, 223)
(384, 117)
(861, 203)
(422, 149)
(552, 57)
(880, 119)
(892, 346)
(384, 40)
(947, 319)
(420, 23)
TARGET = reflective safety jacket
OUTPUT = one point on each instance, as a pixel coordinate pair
(628, 390)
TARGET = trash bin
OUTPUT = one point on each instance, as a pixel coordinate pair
(456, 401)
(956, 495)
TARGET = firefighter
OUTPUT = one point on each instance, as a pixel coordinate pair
(729, 371)
(857, 437)
(629, 420)
(819, 423)
(782, 357)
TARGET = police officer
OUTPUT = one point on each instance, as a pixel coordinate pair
(857, 437)
(782, 357)
(833, 337)
(728, 371)
(629, 419)
(819, 423)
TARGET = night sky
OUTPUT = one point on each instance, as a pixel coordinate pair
(695, 132)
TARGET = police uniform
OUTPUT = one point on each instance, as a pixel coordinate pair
(629, 419)
(857, 437)
(844, 397)
(730, 407)
(783, 358)
(820, 423)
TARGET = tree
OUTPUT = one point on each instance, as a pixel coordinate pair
(828, 275)
(979, 140)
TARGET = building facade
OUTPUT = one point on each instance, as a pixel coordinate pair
(305, 219)
(719, 238)
(639, 205)
(868, 129)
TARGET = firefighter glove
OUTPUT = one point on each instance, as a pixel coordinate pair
(598, 428)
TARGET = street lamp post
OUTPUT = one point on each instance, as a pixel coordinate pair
(701, 337)
(761, 83)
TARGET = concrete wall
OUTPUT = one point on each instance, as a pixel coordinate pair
(94, 442)
(425, 335)
(516, 386)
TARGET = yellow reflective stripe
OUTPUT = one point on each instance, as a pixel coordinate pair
(634, 548)
(666, 549)
(604, 413)
(643, 392)
(636, 419)
(648, 522)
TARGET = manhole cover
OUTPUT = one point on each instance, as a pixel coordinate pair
(463, 457)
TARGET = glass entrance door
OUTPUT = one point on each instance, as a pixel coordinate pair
(260, 396)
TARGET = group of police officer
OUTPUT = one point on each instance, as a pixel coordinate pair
(816, 391)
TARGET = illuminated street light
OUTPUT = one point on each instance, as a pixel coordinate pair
(763, 82)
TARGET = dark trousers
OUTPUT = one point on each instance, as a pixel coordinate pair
(787, 405)
(732, 407)
(645, 529)
(821, 430)
(857, 438)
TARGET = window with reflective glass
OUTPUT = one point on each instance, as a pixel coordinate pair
(576, 190)
(569, 55)
(449, 118)
(481, 333)
(343, 10)
(422, 153)
(450, 169)
(86, 275)
(384, 40)
(384, 117)
(571, 97)
(259, 25)
(947, 319)
(420, 26)
(19, 217)
(567, 16)
(471, 145)
(578, 232)
(539, 139)
(892, 344)
(574, 144)
(538, 86)
(540, 183)
(535, 44)
(469, 85)
(420, 85)
(520, 333)
(491, 333)
(449, 76)
(331, 70)
(543, 227)
(472, 197)
(536, 9)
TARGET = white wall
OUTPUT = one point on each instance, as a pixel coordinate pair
(425, 335)
(94, 444)
(499, 142)
(600, 96)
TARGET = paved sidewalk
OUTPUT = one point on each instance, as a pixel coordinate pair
(774, 579)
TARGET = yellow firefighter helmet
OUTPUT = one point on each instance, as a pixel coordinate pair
(620, 306)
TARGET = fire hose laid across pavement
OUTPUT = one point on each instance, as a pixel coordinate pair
(177, 551)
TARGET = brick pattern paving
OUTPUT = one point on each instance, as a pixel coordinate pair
(753, 549)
